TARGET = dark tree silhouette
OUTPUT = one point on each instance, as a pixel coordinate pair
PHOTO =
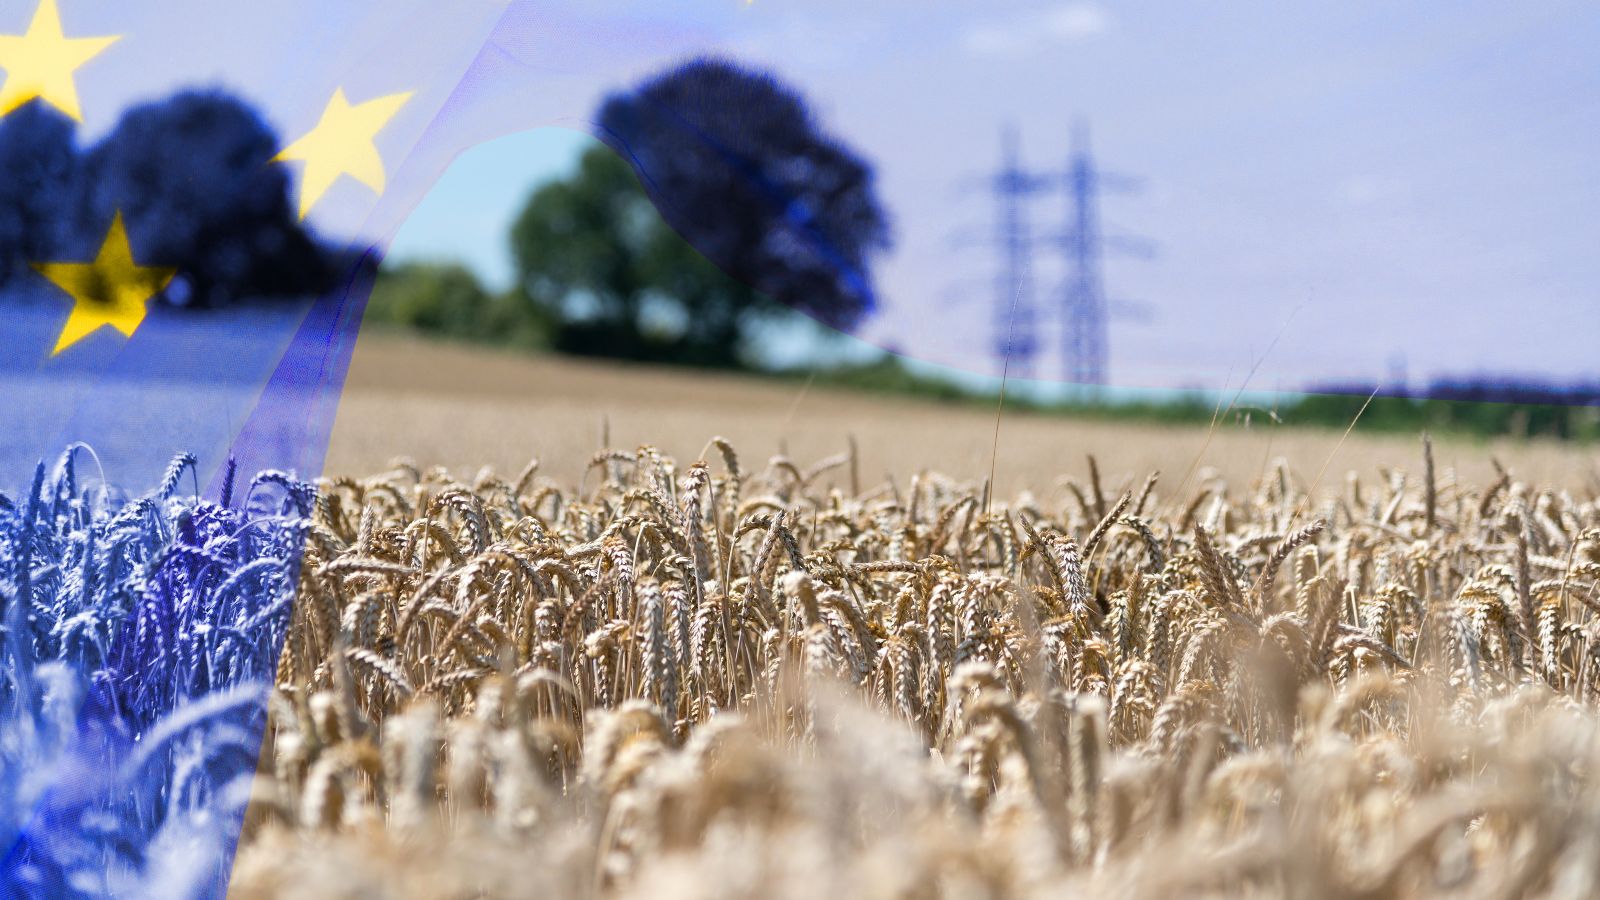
(736, 164)
(738, 175)
(38, 179)
(193, 180)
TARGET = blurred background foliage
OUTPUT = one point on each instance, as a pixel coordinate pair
(606, 266)
(716, 211)
(190, 175)
(595, 259)
(447, 300)
(718, 221)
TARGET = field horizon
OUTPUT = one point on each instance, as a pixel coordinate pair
(461, 405)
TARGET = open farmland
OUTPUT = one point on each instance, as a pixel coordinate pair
(464, 407)
(740, 678)
(685, 667)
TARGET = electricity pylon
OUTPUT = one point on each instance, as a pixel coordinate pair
(1016, 311)
(1084, 310)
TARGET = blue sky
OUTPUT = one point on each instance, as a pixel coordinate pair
(467, 214)
(1346, 184)
(1342, 183)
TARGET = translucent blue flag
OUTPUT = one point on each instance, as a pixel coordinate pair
(194, 202)
(194, 197)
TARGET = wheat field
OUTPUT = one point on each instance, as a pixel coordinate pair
(465, 407)
(737, 675)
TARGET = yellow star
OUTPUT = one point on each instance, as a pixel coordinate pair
(112, 290)
(41, 62)
(342, 144)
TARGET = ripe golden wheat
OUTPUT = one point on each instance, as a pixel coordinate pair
(708, 682)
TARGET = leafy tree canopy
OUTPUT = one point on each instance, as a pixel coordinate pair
(193, 179)
(726, 207)
(447, 299)
(38, 188)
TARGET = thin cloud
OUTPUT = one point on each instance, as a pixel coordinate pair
(1038, 30)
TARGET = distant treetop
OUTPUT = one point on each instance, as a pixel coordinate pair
(737, 165)
(192, 178)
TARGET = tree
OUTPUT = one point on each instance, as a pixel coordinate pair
(447, 299)
(749, 210)
(36, 193)
(193, 179)
(596, 259)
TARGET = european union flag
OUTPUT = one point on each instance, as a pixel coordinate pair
(194, 199)
(194, 196)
